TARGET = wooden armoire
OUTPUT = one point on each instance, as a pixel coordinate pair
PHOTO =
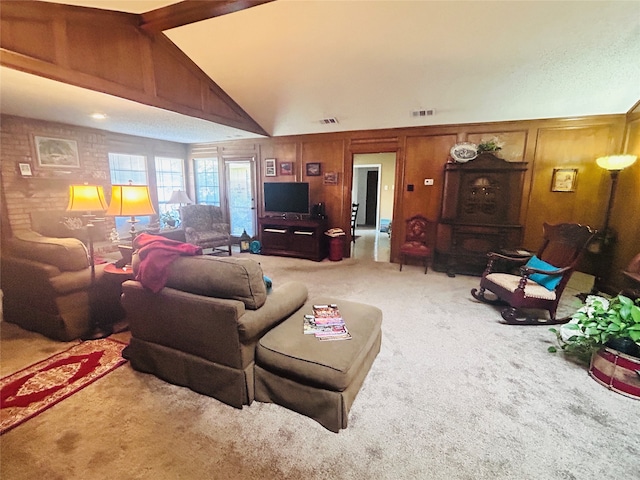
(480, 210)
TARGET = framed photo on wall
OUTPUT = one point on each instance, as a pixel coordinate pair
(270, 167)
(331, 178)
(313, 169)
(25, 169)
(56, 152)
(564, 179)
(286, 168)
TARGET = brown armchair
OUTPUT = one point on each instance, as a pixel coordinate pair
(542, 278)
(204, 226)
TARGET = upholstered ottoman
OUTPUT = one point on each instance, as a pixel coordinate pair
(319, 379)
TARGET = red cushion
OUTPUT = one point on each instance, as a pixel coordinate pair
(415, 248)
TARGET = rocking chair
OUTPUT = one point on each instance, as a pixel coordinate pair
(542, 277)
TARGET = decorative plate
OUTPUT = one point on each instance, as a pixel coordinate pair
(464, 151)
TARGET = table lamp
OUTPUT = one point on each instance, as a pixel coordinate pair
(179, 197)
(130, 201)
(87, 199)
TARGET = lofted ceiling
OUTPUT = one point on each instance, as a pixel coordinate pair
(369, 64)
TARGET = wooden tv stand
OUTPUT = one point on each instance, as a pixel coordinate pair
(294, 238)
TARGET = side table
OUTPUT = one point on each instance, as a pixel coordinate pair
(114, 277)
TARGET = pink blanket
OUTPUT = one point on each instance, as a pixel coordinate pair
(156, 254)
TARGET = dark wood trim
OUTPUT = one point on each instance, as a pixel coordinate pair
(155, 72)
(184, 13)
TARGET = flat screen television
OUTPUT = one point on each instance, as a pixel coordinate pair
(286, 197)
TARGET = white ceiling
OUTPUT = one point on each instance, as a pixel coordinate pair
(369, 64)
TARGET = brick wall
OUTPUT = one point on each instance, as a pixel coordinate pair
(48, 189)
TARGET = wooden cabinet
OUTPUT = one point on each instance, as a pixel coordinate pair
(480, 209)
(294, 238)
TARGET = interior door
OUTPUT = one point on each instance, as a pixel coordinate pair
(371, 208)
(241, 188)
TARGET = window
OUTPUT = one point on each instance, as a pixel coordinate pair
(128, 167)
(124, 168)
(169, 177)
(207, 181)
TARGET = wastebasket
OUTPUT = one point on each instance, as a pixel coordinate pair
(336, 244)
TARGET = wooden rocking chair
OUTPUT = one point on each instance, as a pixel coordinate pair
(542, 278)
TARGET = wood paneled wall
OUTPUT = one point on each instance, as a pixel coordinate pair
(421, 152)
(68, 44)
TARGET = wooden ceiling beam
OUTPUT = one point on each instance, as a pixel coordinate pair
(191, 11)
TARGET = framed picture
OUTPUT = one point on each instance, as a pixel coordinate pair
(286, 168)
(313, 169)
(270, 167)
(25, 169)
(331, 178)
(56, 152)
(564, 179)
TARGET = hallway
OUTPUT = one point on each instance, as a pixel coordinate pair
(371, 244)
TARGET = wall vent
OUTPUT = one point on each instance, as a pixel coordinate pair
(329, 121)
(423, 113)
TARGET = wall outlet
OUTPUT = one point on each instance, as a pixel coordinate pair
(428, 181)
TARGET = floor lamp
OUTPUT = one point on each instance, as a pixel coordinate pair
(130, 201)
(87, 199)
(614, 164)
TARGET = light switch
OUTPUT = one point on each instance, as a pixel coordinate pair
(428, 181)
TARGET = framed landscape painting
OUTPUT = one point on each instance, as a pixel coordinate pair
(564, 180)
(56, 152)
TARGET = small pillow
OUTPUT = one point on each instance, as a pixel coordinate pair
(267, 283)
(550, 282)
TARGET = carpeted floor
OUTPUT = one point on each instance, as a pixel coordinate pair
(453, 394)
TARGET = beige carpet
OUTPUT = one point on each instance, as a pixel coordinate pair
(453, 394)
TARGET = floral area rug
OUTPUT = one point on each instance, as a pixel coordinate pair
(31, 391)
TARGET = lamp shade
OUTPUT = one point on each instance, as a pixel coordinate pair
(86, 198)
(130, 201)
(616, 162)
(180, 196)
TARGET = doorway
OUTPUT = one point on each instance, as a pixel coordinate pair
(373, 189)
(241, 188)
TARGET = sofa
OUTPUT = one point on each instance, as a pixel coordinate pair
(200, 331)
(47, 285)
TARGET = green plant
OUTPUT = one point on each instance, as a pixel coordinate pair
(597, 322)
(492, 145)
(169, 217)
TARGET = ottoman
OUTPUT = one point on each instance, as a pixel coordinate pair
(319, 379)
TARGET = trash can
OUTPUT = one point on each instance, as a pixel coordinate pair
(336, 244)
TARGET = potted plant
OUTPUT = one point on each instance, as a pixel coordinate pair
(606, 332)
(600, 323)
(169, 218)
(492, 145)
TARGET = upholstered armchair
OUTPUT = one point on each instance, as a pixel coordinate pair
(204, 226)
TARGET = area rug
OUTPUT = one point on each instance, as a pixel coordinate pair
(30, 391)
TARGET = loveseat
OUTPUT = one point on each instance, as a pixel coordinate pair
(47, 285)
(201, 329)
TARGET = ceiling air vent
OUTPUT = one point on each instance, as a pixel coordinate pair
(423, 113)
(329, 121)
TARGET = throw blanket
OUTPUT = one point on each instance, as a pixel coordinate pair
(155, 254)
